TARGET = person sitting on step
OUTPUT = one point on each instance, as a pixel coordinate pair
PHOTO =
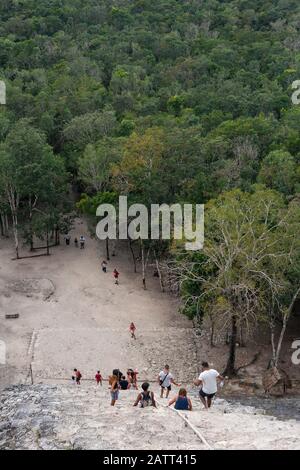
(145, 398)
(182, 402)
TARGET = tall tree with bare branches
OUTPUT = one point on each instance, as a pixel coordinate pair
(248, 256)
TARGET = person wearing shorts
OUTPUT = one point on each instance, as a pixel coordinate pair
(82, 242)
(114, 396)
(114, 389)
(165, 380)
(208, 380)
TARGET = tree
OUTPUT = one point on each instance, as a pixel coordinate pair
(280, 171)
(90, 127)
(250, 244)
(138, 171)
(30, 174)
(96, 163)
(282, 286)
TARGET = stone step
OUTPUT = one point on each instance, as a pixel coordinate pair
(66, 417)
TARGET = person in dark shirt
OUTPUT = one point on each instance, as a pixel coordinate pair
(124, 383)
(145, 398)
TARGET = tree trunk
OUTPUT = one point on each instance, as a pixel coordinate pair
(279, 344)
(143, 265)
(16, 235)
(30, 226)
(107, 249)
(159, 274)
(14, 199)
(31, 209)
(272, 327)
(30, 232)
(6, 224)
(286, 316)
(47, 237)
(133, 256)
(212, 334)
(230, 367)
(242, 341)
(2, 225)
(57, 240)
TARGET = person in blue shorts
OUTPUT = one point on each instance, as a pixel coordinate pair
(114, 389)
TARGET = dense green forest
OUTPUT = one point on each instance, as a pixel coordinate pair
(164, 101)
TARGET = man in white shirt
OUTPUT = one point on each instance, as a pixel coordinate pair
(208, 379)
(165, 379)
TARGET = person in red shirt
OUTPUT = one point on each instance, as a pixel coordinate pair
(116, 276)
(132, 329)
(98, 378)
(77, 376)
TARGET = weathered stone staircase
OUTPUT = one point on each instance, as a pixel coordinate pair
(45, 416)
(80, 417)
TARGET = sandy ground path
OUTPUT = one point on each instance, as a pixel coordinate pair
(72, 314)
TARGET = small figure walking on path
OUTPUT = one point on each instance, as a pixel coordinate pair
(145, 398)
(116, 275)
(208, 379)
(98, 378)
(132, 329)
(76, 242)
(165, 379)
(104, 266)
(77, 376)
(82, 242)
(68, 239)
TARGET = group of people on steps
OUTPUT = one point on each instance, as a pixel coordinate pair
(207, 383)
